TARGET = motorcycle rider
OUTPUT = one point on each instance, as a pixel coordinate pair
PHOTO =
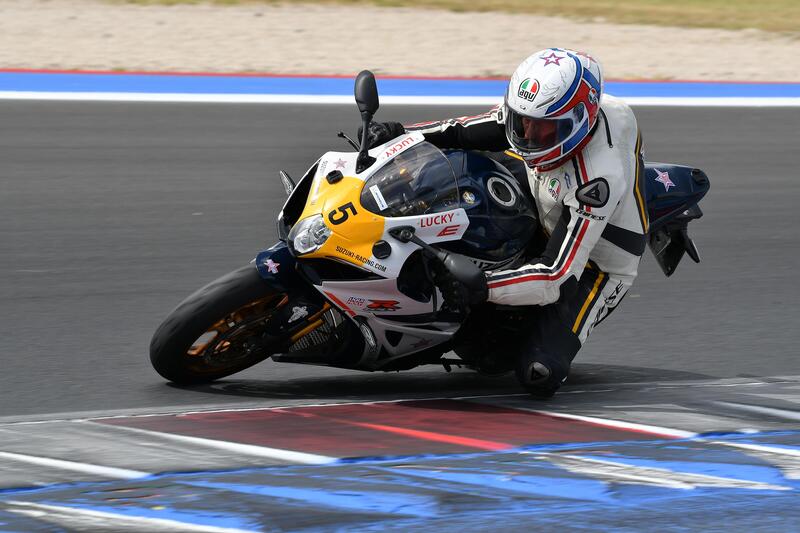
(583, 156)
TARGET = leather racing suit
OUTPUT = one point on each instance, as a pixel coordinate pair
(593, 210)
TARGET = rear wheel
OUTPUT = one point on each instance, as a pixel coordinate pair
(219, 330)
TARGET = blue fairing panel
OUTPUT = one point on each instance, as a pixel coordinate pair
(277, 265)
(671, 189)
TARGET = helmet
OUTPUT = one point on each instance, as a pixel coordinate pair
(551, 105)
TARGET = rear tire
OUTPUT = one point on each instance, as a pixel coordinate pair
(217, 331)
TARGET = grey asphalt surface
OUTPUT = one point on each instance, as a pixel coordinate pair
(111, 213)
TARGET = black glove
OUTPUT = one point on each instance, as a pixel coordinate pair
(381, 132)
(462, 283)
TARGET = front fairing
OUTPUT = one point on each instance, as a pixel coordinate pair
(407, 178)
(295, 203)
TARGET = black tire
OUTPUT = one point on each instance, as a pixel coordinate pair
(224, 301)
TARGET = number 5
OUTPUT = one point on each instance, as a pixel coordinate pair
(338, 219)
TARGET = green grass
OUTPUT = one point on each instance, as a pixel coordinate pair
(769, 15)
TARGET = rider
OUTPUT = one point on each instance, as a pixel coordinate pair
(583, 156)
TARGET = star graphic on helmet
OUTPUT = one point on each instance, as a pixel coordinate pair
(663, 177)
(340, 164)
(552, 59)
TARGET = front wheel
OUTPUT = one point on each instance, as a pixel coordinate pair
(219, 330)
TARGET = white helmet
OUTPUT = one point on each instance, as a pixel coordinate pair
(551, 105)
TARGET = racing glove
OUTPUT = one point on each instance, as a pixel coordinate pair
(381, 132)
(461, 282)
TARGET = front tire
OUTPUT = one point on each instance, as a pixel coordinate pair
(219, 330)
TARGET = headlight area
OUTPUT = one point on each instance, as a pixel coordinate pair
(309, 234)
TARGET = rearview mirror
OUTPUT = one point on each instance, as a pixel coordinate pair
(366, 92)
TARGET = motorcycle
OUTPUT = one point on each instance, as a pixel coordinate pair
(355, 280)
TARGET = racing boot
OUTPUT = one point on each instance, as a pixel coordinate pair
(541, 374)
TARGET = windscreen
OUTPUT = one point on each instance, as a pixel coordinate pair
(418, 181)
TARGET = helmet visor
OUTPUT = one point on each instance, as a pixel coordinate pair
(529, 134)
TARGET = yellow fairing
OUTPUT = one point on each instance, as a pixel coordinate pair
(351, 239)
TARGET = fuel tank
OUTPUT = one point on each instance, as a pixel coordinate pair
(502, 216)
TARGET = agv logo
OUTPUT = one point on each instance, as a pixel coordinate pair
(528, 89)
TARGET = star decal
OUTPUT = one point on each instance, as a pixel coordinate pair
(552, 59)
(340, 164)
(663, 177)
(272, 266)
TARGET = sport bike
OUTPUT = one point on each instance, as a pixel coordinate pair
(370, 243)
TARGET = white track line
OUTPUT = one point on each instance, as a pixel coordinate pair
(649, 475)
(80, 416)
(786, 459)
(235, 447)
(87, 519)
(712, 101)
(179, 412)
(242, 98)
(774, 450)
(273, 408)
(769, 411)
(391, 100)
(106, 471)
(619, 424)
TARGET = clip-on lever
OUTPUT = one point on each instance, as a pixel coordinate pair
(406, 234)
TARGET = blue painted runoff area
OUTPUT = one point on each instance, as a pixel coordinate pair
(737, 482)
(343, 86)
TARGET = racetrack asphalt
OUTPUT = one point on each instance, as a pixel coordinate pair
(111, 213)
